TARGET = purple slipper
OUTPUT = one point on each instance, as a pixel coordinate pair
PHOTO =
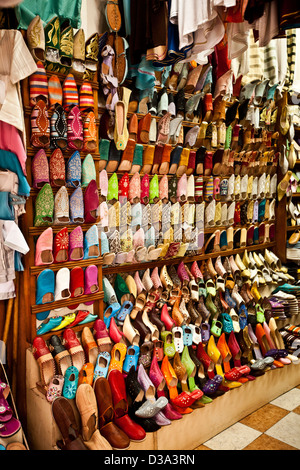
(10, 428)
(212, 385)
(6, 412)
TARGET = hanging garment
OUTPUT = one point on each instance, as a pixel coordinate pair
(68, 9)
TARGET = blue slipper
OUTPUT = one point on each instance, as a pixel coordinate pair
(70, 382)
(53, 322)
(125, 310)
(110, 312)
(91, 243)
(90, 317)
(102, 364)
(187, 335)
(73, 173)
(45, 287)
(131, 358)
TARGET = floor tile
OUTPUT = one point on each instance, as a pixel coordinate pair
(287, 430)
(265, 442)
(265, 417)
(288, 400)
(236, 437)
(297, 410)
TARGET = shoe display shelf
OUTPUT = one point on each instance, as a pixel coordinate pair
(28, 308)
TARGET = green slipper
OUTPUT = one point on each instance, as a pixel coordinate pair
(44, 207)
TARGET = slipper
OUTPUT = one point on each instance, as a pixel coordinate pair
(86, 97)
(76, 244)
(113, 15)
(121, 66)
(91, 243)
(91, 202)
(91, 285)
(44, 359)
(78, 62)
(58, 128)
(70, 93)
(90, 133)
(38, 85)
(61, 246)
(77, 206)
(88, 172)
(75, 128)
(44, 247)
(144, 128)
(57, 168)
(73, 170)
(36, 39)
(127, 156)
(61, 207)
(40, 169)
(40, 126)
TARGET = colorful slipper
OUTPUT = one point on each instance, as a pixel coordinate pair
(90, 133)
(86, 97)
(61, 246)
(70, 93)
(44, 206)
(40, 169)
(40, 126)
(75, 128)
(73, 178)
(76, 252)
(55, 91)
(44, 247)
(61, 207)
(88, 171)
(77, 207)
(91, 243)
(57, 168)
(38, 85)
(58, 128)
(91, 202)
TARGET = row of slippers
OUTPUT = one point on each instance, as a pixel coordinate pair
(152, 188)
(78, 208)
(73, 131)
(165, 159)
(65, 284)
(58, 172)
(56, 46)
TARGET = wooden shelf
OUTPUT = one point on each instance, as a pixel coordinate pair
(36, 231)
(35, 270)
(64, 303)
(291, 228)
(113, 269)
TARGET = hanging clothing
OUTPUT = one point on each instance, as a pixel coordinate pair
(16, 63)
(66, 10)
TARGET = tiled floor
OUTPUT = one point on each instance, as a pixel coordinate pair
(275, 426)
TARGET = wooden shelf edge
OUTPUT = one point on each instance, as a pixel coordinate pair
(68, 264)
(59, 333)
(64, 303)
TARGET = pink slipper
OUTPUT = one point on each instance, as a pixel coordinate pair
(103, 184)
(196, 271)
(182, 188)
(134, 193)
(44, 247)
(139, 285)
(75, 129)
(40, 169)
(76, 244)
(164, 188)
(145, 184)
(91, 285)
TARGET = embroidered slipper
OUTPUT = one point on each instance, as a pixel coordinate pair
(134, 192)
(61, 207)
(40, 169)
(75, 129)
(57, 168)
(88, 171)
(44, 206)
(58, 128)
(90, 132)
(78, 62)
(106, 251)
(91, 202)
(55, 91)
(66, 46)
(40, 126)
(77, 206)
(61, 246)
(76, 244)
(36, 39)
(70, 93)
(52, 42)
(91, 57)
(38, 85)
(44, 247)
(73, 176)
(113, 188)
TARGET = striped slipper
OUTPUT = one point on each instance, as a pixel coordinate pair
(86, 97)
(38, 85)
(70, 92)
(55, 91)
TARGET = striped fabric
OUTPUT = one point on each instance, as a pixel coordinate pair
(38, 84)
(55, 91)
(291, 57)
(70, 92)
(86, 97)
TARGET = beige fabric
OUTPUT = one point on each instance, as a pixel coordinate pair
(16, 63)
